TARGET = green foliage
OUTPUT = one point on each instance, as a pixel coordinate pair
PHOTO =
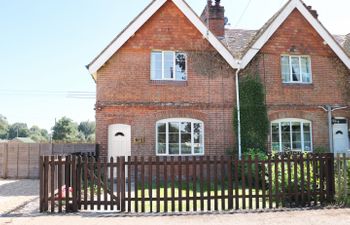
(65, 130)
(254, 120)
(282, 184)
(321, 149)
(87, 130)
(38, 135)
(4, 127)
(254, 153)
(342, 185)
(18, 130)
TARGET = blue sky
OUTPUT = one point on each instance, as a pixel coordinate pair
(45, 45)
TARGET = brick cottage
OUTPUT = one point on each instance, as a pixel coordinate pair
(166, 85)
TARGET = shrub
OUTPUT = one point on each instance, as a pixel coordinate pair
(289, 187)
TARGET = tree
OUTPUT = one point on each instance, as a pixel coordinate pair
(254, 120)
(65, 130)
(38, 135)
(87, 129)
(4, 127)
(18, 130)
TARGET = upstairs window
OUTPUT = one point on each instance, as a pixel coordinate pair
(296, 69)
(168, 65)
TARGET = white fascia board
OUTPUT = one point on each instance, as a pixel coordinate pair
(255, 48)
(322, 31)
(197, 22)
(124, 37)
(326, 36)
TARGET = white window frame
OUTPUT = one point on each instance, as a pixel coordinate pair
(300, 72)
(174, 65)
(180, 120)
(291, 120)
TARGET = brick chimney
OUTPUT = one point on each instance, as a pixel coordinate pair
(213, 16)
(312, 11)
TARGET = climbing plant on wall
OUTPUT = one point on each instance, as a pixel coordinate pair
(254, 120)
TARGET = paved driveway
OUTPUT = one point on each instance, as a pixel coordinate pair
(19, 206)
(16, 193)
(306, 217)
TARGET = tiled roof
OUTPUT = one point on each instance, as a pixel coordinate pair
(238, 40)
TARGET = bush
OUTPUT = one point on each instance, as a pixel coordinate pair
(254, 120)
(254, 153)
(289, 190)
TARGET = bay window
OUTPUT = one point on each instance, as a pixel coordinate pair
(180, 137)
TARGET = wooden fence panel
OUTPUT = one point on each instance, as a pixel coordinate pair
(163, 184)
(19, 160)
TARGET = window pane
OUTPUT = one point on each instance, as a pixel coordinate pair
(285, 130)
(161, 148)
(174, 127)
(180, 62)
(173, 138)
(185, 127)
(174, 149)
(198, 138)
(156, 66)
(198, 150)
(307, 146)
(307, 137)
(275, 137)
(186, 138)
(296, 136)
(161, 127)
(285, 66)
(295, 69)
(305, 69)
(169, 65)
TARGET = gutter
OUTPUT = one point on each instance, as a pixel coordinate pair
(238, 112)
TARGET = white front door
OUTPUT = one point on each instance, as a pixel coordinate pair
(340, 135)
(119, 140)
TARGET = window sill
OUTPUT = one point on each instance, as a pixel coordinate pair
(169, 82)
(298, 85)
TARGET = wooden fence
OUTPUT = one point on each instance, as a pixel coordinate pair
(19, 160)
(176, 184)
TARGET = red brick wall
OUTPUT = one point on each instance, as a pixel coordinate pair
(127, 95)
(300, 100)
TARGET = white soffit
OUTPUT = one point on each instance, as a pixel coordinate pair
(322, 31)
(95, 65)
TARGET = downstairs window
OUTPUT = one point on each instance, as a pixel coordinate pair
(179, 137)
(291, 135)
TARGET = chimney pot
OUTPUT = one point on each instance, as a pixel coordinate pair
(214, 17)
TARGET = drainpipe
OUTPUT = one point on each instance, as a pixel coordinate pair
(238, 114)
(329, 109)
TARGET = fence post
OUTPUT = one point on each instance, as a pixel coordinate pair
(331, 177)
(46, 184)
(74, 184)
(41, 188)
(345, 176)
(5, 162)
(122, 183)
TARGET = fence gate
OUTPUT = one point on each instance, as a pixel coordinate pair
(176, 184)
